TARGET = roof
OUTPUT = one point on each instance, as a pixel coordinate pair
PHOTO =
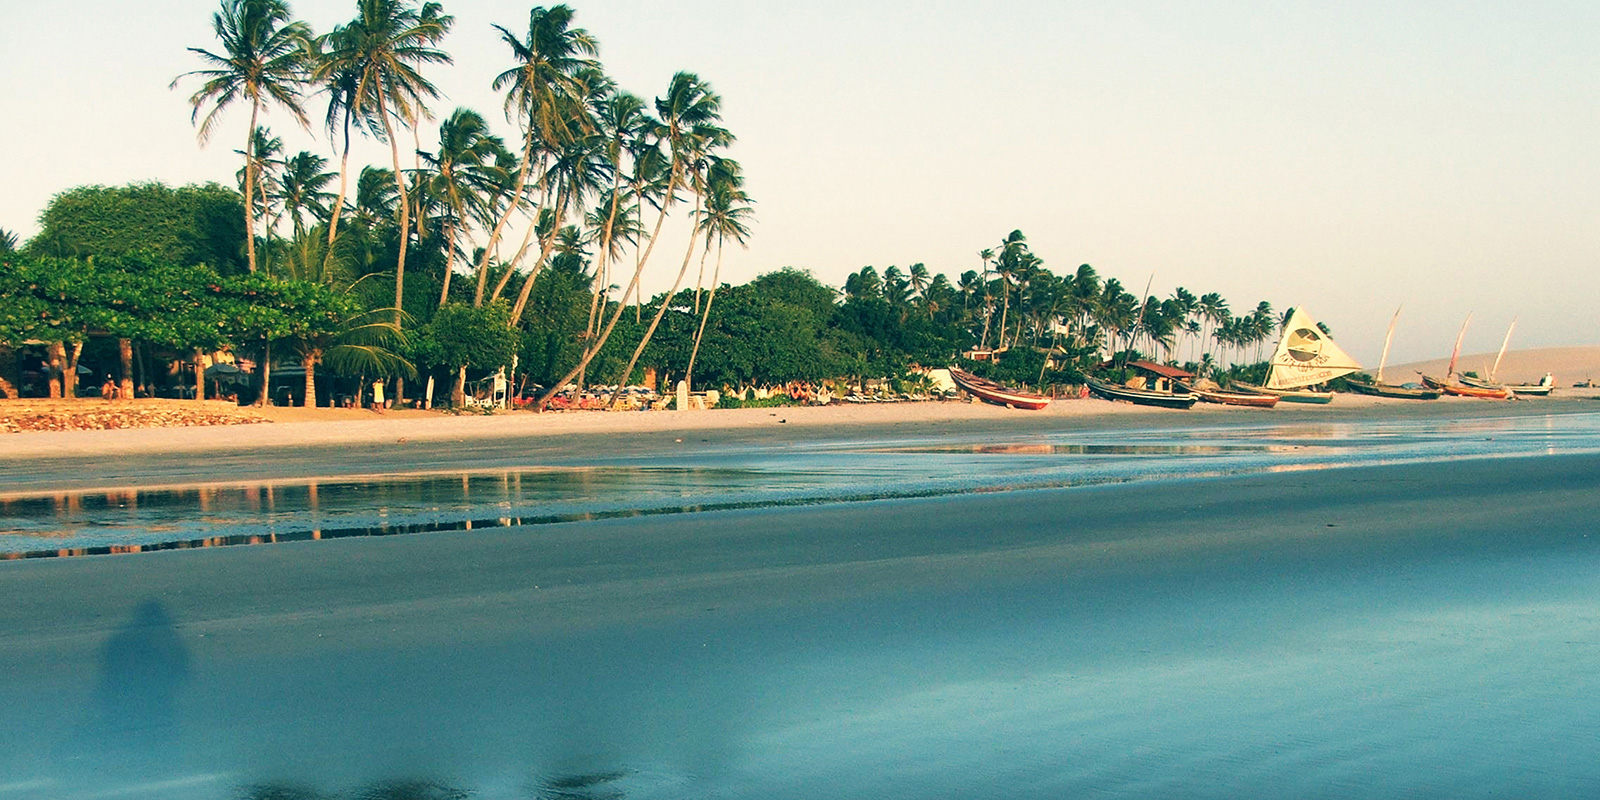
(1161, 370)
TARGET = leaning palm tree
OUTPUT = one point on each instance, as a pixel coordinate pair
(726, 217)
(264, 59)
(381, 51)
(542, 94)
(689, 113)
(465, 171)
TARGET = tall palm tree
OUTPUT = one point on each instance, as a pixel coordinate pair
(264, 58)
(727, 215)
(542, 93)
(466, 171)
(382, 50)
(689, 114)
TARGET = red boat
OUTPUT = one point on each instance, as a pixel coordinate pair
(991, 392)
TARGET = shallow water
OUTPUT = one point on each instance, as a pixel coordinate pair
(1011, 644)
(132, 520)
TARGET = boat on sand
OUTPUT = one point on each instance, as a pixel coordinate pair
(1378, 388)
(1143, 397)
(1451, 385)
(1305, 357)
(992, 392)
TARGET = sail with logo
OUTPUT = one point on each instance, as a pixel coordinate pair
(1306, 356)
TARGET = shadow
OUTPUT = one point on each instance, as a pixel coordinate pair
(144, 668)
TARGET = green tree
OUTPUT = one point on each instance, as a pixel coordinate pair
(380, 52)
(461, 336)
(263, 59)
(185, 226)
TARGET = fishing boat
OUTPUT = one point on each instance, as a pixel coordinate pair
(1227, 398)
(1543, 388)
(1378, 388)
(1287, 395)
(1143, 397)
(1450, 385)
(991, 392)
(1305, 357)
(1392, 391)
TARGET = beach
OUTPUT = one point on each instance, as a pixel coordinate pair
(1299, 623)
(324, 441)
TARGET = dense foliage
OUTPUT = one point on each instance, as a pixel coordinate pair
(480, 249)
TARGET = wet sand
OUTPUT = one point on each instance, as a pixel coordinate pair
(617, 643)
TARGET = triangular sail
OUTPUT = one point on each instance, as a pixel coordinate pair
(1306, 356)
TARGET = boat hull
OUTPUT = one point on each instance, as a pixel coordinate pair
(1143, 398)
(1462, 390)
(1246, 399)
(1524, 389)
(1395, 392)
(1287, 395)
(991, 392)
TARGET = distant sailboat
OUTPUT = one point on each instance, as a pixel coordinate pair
(1378, 387)
(1305, 357)
(1450, 385)
(1540, 389)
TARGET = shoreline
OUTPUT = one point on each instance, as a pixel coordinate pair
(345, 442)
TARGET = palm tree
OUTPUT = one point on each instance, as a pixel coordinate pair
(264, 59)
(1007, 264)
(301, 189)
(466, 172)
(542, 92)
(380, 51)
(265, 152)
(726, 217)
(689, 113)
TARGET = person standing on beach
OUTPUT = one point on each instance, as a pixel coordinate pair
(377, 396)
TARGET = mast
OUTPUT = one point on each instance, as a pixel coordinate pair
(1503, 344)
(1456, 353)
(1384, 359)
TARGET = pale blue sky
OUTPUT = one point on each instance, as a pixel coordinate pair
(1348, 157)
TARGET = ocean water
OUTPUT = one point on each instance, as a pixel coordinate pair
(1329, 611)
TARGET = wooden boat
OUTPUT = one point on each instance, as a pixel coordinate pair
(1457, 389)
(1388, 390)
(1227, 398)
(1541, 389)
(1463, 390)
(1377, 388)
(1286, 395)
(1143, 397)
(991, 392)
(1305, 357)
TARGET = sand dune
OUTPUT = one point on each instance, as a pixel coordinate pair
(1569, 364)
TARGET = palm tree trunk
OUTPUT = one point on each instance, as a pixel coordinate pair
(662, 311)
(125, 352)
(511, 208)
(405, 214)
(309, 362)
(55, 354)
(199, 378)
(638, 269)
(688, 374)
(458, 392)
(249, 188)
(266, 376)
(344, 177)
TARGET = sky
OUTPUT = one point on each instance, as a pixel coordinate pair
(1346, 157)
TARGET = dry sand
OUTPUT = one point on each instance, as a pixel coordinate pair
(1569, 365)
